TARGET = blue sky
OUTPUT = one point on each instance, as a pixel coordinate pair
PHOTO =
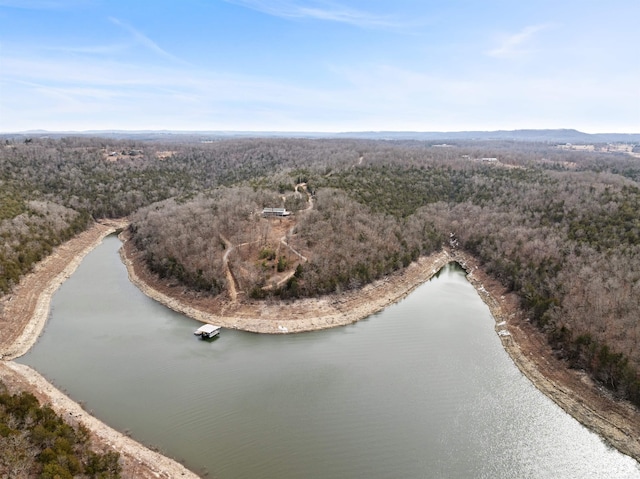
(316, 65)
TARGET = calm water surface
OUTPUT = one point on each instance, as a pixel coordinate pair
(422, 390)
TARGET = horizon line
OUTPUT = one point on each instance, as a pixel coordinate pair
(315, 132)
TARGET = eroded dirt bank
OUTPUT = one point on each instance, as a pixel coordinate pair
(618, 422)
(283, 316)
(24, 312)
(23, 315)
(22, 319)
(138, 462)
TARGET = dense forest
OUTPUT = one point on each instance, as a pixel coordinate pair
(36, 442)
(561, 228)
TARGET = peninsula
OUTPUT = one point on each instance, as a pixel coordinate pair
(547, 235)
(617, 422)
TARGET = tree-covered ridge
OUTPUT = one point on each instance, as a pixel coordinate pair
(401, 190)
(528, 227)
(343, 244)
(31, 235)
(187, 239)
(558, 227)
(349, 245)
(582, 290)
(36, 442)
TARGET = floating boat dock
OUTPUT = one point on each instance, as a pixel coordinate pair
(207, 331)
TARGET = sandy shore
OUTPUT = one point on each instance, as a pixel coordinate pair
(28, 307)
(24, 314)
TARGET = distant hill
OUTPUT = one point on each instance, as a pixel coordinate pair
(549, 136)
(546, 136)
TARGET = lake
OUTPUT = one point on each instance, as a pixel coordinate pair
(423, 389)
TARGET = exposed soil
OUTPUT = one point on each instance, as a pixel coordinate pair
(618, 422)
(138, 461)
(272, 316)
(24, 314)
(25, 311)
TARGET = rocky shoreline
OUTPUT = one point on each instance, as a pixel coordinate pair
(617, 422)
(26, 311)
(282, 317)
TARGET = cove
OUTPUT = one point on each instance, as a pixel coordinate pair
(423, 389)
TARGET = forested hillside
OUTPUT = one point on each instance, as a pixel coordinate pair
(36, 442)
(560, 228)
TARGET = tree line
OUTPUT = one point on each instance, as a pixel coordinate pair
(560, 228)
(36, 442)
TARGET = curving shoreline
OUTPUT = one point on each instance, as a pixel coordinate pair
(28, 307)
(617, 422)
(309, 314)
(33, 294)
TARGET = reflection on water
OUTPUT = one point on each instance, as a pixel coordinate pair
(423, 389)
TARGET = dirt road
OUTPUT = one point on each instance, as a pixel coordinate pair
(26, 310)
(618, 422)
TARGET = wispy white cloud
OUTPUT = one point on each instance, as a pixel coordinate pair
(80, 76)
(72, 94)
(514, 45)
(321, 10)
(144, 40)
(425, 100)
(77, 92)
